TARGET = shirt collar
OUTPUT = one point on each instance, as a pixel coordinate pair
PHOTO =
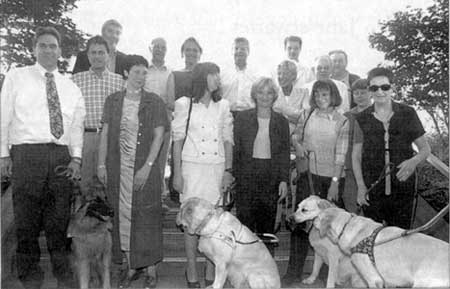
(161, 68)
(42, 71)
(104, 73)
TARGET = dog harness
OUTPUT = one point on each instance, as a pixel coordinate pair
(365, 246)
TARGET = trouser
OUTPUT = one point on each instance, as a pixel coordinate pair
(256, 207)
(41, 200)
(350, 192)
(299, 237)
(395, 209)
(162, 159)
(90, 160)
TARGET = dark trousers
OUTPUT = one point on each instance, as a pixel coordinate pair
(41, 200)
(395, 209)
(299, 237)
(256, 206)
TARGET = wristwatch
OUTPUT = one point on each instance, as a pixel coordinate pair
(335, 179)
(150, 164)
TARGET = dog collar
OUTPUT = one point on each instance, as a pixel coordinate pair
(205, 221)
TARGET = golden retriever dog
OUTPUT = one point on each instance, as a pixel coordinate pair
(89, 228)
(340, 269)
(415, 260)
(236, 252)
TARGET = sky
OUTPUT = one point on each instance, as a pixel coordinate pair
(323, 25)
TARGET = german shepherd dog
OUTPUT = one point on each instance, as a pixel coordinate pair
(90, 229)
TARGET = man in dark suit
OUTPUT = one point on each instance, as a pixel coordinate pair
(340, 72)
(111, 31)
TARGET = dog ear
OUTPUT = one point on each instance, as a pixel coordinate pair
(324, 204)
(325, 224)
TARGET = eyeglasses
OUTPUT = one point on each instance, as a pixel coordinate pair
(384, 87)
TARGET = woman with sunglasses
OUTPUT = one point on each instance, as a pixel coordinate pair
(384, 133)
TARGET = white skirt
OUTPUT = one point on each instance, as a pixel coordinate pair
(202, 181)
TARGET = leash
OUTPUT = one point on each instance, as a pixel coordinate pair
(387, 170)
(422, 228)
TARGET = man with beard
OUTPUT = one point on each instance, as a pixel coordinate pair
(111, 31)
(237, 82)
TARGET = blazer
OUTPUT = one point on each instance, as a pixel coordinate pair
(82, 63)
(245, 130)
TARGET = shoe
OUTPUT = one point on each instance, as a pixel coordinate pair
(126, 279)
(195, 284)
(289, 279)
(208, 282)
(150, 281)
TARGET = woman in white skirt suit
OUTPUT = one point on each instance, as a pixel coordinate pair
(203, 156)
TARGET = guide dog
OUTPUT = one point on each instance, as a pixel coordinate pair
(90, 229)
(236, 252)
(340, 268)
(382, 255)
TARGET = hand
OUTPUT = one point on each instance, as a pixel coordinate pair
(300, 151)
(227, 180)
(406, 169)
(6, 167)
(333, 192)
(141, 176)
(178, 182)
(282, 191)
(362, 198)
(73, 170)
(101, 174)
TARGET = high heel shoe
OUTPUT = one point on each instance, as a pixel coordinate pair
(195, 284)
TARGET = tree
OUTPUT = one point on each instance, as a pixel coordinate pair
(21, 18)
(416, 41)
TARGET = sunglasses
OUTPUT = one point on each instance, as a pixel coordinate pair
(384, 87)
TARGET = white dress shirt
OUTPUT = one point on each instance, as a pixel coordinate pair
(290, 106)
(25, 115)
(209, 128)
(343, 91)
(156, 81)
(236, 87)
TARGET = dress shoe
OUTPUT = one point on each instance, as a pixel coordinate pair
(195, 284)
(125, 281)
(208, 282)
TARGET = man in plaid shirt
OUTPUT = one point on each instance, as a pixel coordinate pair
(95, 85)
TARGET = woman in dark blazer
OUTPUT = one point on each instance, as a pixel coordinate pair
(260, 159)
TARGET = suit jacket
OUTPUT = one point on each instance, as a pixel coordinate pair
(245, 130)
(352, 78)
(82, 62)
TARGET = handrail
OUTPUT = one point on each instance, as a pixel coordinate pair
(436, 163)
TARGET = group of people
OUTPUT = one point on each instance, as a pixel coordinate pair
(118, 118)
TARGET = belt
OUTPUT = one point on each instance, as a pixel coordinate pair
(96, 130)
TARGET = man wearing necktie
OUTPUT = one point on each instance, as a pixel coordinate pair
(42, 114)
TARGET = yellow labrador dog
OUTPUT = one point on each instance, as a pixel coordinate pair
(415, 260)
(236, 252)
(340, 268)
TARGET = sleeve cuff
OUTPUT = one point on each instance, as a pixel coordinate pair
(76, 152)
(4, 152)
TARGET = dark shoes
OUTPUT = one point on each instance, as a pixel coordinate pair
(208, 282)
(126, 279)
(289, 279)
(195, 284)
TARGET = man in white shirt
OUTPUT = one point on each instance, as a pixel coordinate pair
(293, 47)
(42, 114)
(237, 82)
(340, 72)
(156, 82)
(322, 70)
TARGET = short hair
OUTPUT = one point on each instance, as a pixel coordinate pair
(288, 63)
(328, 84)
(380, 71)
(111, 22)
(47, 30)
(325, 56)
(262, 82)
(361, 83)
(97, 40)
(158, 38)
(132, 60)
(241, 40)
(339, 51)
(191, 39)
(293, 38)
(199, 80)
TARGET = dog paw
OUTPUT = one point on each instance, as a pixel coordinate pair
(310, 280)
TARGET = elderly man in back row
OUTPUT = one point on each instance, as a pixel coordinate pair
(42, 114)
(322, 69)
(237, 82)
(95, 85)
(339, 71)
(111, 31)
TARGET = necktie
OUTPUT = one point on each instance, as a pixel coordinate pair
(54, 107)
